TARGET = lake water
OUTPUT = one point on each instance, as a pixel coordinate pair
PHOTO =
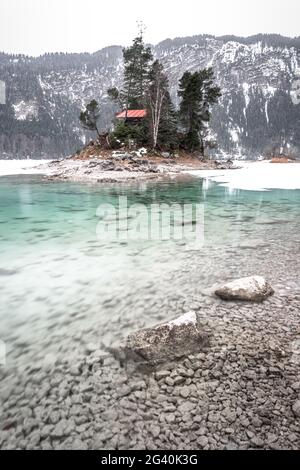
(61, 288)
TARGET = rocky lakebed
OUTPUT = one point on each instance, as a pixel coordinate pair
(149, 345)
(237, 386)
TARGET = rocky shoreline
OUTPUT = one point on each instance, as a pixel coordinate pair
(239, 392)
(120, 166)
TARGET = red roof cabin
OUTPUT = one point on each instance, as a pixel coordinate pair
(133, 116)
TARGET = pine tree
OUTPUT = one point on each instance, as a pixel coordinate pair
(89, 118)
(198, 93)
(137, 60)
(168, 128)
(114, 94)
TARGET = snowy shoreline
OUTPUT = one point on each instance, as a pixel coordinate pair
(251, 176)
(22, 167)
(101, 170)
(255, 176)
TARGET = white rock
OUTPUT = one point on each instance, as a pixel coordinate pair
(254, 289)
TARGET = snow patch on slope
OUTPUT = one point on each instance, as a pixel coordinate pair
(25, 110)
(246, 88)
(268, 92)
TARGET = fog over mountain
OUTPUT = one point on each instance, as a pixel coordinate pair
(259, 110)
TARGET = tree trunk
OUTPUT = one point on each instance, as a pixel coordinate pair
(201, 146)
(97, 130)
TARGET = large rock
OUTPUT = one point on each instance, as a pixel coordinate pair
(167, 341)
(253, 289)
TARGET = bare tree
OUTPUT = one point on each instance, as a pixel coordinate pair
(158, 90)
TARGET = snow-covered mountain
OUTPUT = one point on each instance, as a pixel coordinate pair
(259, 111)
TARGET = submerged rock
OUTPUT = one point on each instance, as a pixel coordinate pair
(167, 341)
(253, 289)
(8, 272)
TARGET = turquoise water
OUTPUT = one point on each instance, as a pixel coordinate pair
(44, 214)
(62, 288)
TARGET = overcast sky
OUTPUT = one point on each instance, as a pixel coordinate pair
(37, 26)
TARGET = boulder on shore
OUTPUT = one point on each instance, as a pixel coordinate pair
(251, 289)
(166, 342)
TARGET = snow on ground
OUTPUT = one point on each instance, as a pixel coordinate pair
(255, 176)
(186, 319)
(22, 167)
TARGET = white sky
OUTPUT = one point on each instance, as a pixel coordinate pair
(37, 26)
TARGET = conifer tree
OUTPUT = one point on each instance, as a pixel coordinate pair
(198, 93)
(114, 94)
(168, 128)
(137, 62)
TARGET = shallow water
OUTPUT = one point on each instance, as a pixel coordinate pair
(62, 288)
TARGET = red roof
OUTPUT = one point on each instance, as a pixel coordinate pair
(132, 113)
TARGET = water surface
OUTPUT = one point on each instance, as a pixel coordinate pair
(62, 288)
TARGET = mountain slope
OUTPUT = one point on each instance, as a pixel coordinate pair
(259, 109)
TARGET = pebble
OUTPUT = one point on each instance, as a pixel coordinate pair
(75, 370)
(296, 408)
(162, 374)
(169, 381)
(178, 380)
(257, 441)
(202, 441)
(185, 392)
(296, 386)
(155, 431)
(186, 407)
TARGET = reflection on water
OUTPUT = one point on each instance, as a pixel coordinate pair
(61, 286)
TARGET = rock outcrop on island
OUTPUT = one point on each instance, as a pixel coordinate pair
(251, 289)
